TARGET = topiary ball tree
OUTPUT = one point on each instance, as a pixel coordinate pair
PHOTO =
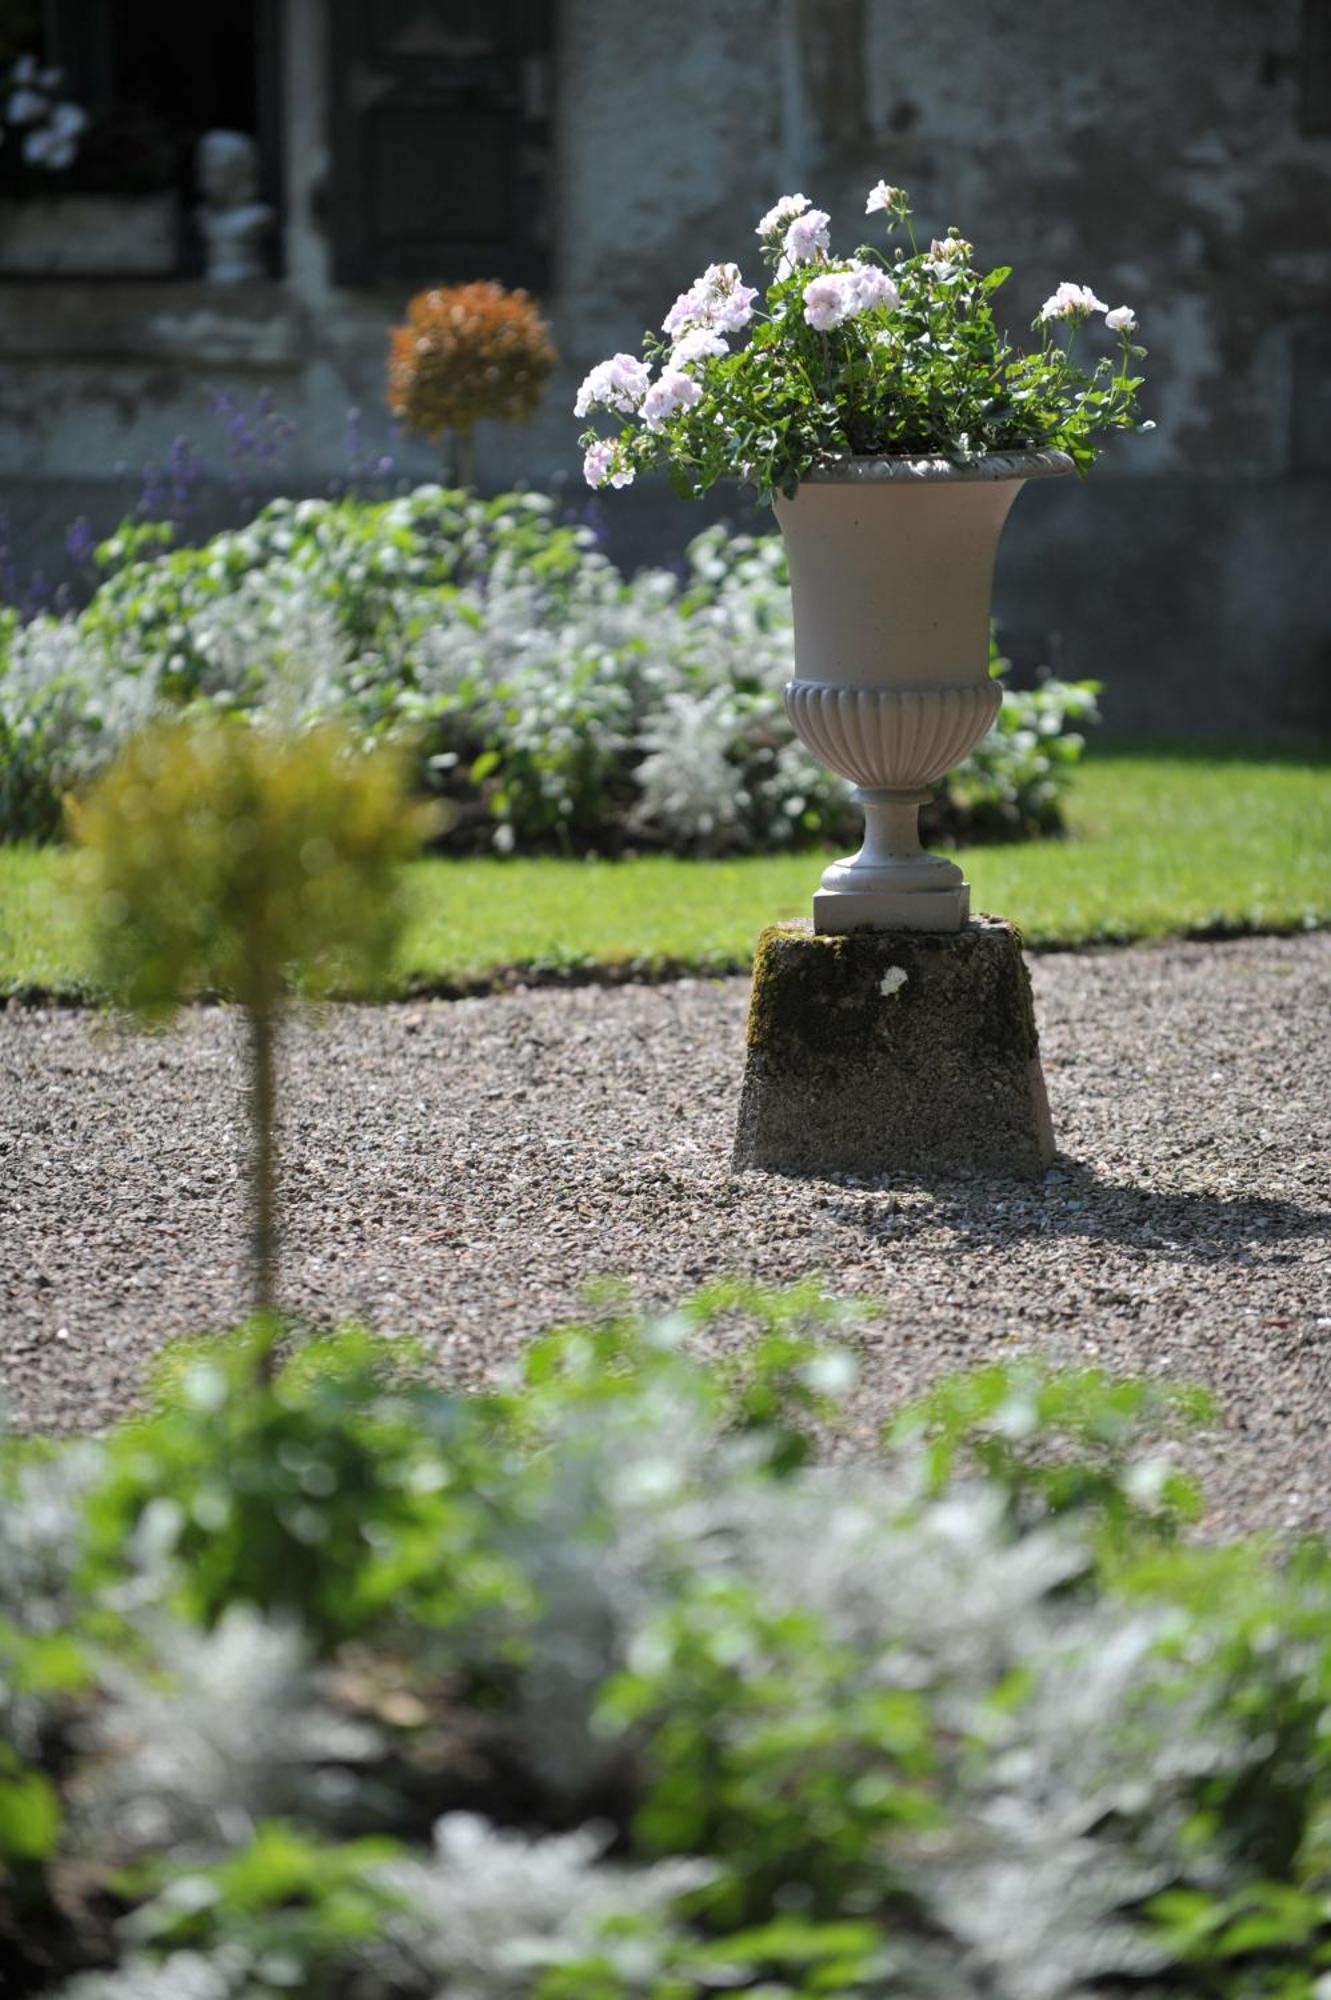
(468, 352)
(251, 864)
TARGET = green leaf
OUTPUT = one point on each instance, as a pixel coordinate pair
(30, 1817)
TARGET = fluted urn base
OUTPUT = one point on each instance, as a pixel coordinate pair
(891, 884)
(893, 744)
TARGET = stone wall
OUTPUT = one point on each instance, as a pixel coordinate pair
(1177, 158)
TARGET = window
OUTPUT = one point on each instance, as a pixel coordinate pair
(441, 141)
(154, 76)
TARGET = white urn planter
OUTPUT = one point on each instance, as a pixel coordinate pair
(891, 568)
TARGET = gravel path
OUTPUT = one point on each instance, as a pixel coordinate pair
(459, 1169)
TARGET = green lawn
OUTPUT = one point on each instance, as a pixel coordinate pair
(1159, 846)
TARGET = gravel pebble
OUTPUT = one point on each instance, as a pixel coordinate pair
(460, 1168)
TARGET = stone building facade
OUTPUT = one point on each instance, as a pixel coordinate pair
(602, 151)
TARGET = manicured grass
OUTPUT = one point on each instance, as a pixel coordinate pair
(1159, 846)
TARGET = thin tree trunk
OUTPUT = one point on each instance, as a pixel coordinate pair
(263, 1162)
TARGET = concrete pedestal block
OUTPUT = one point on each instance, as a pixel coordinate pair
(893, 1052)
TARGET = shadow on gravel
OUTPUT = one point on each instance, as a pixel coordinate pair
(1075, 1202)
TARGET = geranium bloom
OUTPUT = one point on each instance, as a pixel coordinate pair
(832, 299)
(1071, 302)
(947, 255)
(826, 303)
(700, 343)
(872, 287)
(25, 107)
(881, 196)
(807, 236)
(719, 298)
(617, 384)
(674, 391)
(781, 213)
(601, 466)
(1122, 320)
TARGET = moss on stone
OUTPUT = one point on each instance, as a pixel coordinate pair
(796, 979)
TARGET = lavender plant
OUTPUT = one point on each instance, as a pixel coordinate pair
(871, 355)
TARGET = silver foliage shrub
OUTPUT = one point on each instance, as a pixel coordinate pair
(981, 1729)
(555, 701)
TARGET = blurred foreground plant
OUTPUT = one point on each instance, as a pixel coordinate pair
(605, 1685)
(251, 864)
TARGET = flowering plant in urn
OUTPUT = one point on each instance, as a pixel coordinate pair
(875, 401)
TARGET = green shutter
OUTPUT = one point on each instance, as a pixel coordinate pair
(441, 144)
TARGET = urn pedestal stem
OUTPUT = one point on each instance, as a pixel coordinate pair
(891, 884)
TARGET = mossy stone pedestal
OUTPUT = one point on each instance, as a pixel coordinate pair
(884, 1053)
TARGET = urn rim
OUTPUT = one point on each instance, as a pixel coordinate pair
(1044, 462)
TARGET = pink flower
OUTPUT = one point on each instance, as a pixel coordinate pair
(807, 236)
(603, 466)
(617, 384)
(837, 296)
(597, 461)
(827, 301)
(872, 288)
(1122, 320)
(1071, 302)
(883, 197)
(782, 213)
(700, 343)
(717, 299)
(674, 391)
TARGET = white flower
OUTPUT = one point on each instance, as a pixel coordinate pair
(617, 384)
(69, 120)
(674, 391)
(1071, 302)
(947, 255)
(807, 236)
(733, 307)
(25, 70)
(872, 287)
(719, 299)
(1121, 320)
(781, 213)
(41, 149)
(603, 466)
(883, 197)
(839, 295)
(597, 461)
(25, 107)
(700, 343)
(827, 301)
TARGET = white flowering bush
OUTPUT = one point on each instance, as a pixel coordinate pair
(46, 127)
(554, 702)
(603, 1683)
(887, 352)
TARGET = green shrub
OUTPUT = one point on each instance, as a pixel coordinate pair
(555, 704)
(605, 1683)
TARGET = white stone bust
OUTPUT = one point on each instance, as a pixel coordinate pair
(232, 221)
